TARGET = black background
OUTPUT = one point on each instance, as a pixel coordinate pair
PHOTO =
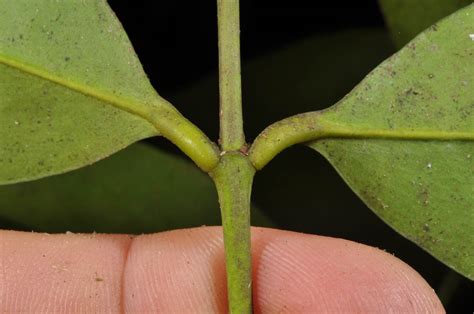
(177, 40)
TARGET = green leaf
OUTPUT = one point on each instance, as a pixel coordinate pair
(105, 197)
(72, 90)
(407, 18)
(404, 141)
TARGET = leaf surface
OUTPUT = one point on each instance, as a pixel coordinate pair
(407, 18)
(403, 140)
(105, 196)
(72, 90)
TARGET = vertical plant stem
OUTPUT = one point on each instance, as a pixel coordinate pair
(234, 173)
(233, 178)
(231, 126)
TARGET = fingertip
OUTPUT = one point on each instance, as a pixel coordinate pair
(177, 271)
(305, 273)
(60, 272)
(292, 272)
(184, 270)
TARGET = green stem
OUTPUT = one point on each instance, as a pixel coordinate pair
(312, 126)
(233, 178)
(231, 135)
(185, 135)
(234, 173)
(283, 134)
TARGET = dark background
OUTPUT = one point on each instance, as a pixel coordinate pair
(177, 40)
(177, 44)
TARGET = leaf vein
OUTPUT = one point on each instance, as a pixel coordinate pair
(127, 105)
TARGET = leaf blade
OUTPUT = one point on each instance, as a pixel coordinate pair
(407, 18)
(422, 186)
(417, 195)
(43, 138)
(81, 41)
(434, 70)
(77, 50)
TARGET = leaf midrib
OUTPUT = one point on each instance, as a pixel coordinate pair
(164, 118)
(311, 126)
(341, 131)
(130, 106)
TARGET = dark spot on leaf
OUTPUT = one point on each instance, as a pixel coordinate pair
(411, 91)
(424, 196)
(67, 59)
(426, 228)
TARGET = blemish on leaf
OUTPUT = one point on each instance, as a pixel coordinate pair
(424, 197)
(426, 228)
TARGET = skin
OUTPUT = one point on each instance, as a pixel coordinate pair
(183, 271)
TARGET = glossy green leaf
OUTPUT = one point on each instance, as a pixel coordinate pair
(72, 90)
(409, 141)
(106, 196)
(407, 18)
